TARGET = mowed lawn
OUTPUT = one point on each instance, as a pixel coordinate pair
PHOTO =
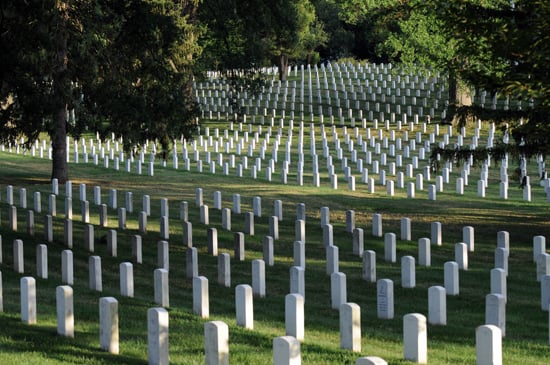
(527, 334)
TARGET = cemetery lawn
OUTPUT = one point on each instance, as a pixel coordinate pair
(526, 340)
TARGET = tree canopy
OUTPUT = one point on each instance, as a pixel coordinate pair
(504, 47)
(126, 67)
(122, 67)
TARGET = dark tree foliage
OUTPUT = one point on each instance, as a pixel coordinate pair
(504, 47)
(119, 67)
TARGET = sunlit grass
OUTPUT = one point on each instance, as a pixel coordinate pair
(527, 325)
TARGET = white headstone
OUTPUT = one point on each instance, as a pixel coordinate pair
(126, 271)
(216, 343)
(384, 295)
(161, 293)
(437, 305)
(390, 254)
(244, 306)
(94, 272)
(461, 255)
(408, 272)
(495, 311)
(286, 351)
(191, 263)
(424, 252)
(157, 336)
(451, 278)
(28, 299)
(258, 278)
(350, 327)
(65, 310)
(338, 289)
(415, 338)
(108, 324)
(488, 345)
(294, 316)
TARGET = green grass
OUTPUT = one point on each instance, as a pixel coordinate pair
(527, 326)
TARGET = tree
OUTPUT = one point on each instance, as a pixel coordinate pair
(294, 32)
(504, 47)
(121, 67)
(232, 48)
(288, 29)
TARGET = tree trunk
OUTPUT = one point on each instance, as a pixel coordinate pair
(453, 96)
(61, 84)
(283, 67)
(459, 96)
(60, 169)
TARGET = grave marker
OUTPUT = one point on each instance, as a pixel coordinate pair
(42, 261)
(384, 295)
(350, 327)
(48, 228)
(488, 345)
(437, 305)
(405, 229)
(191, 263)
(201, 301)
(216, 343)
(390, 253)
(238, 245)
(377, 225)
(451, 278)
(30, 222)
(371, 360)
(338, 289)
(204, 219)
(498, 283)
(244, 306)
(67, 276)
(268, 254)
(161, 287)
(157, 336)
(299, 254)
(108, 324)
(286, 351)
(468, 237)
(212, 241)
(294, 316)
(424, 252)
(112, 245)
(436, 237)
(18, 256)
(332, 258)
(163, 259)
(369, 266)
(415, 338)
(89, 237)
(28, 299)
(224, 270)
(495, 311)
(94, 272)
(65, 310)
(274, 227)
(408, 272)
(461, 255)
(249, 223)
(258, 278)
(137, 256)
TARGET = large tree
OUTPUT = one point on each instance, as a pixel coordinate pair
(119, 67)
(504, 47)
(292, 31)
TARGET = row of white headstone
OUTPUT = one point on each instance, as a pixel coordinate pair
(356, 84)
(468, 237)
(385, 156)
